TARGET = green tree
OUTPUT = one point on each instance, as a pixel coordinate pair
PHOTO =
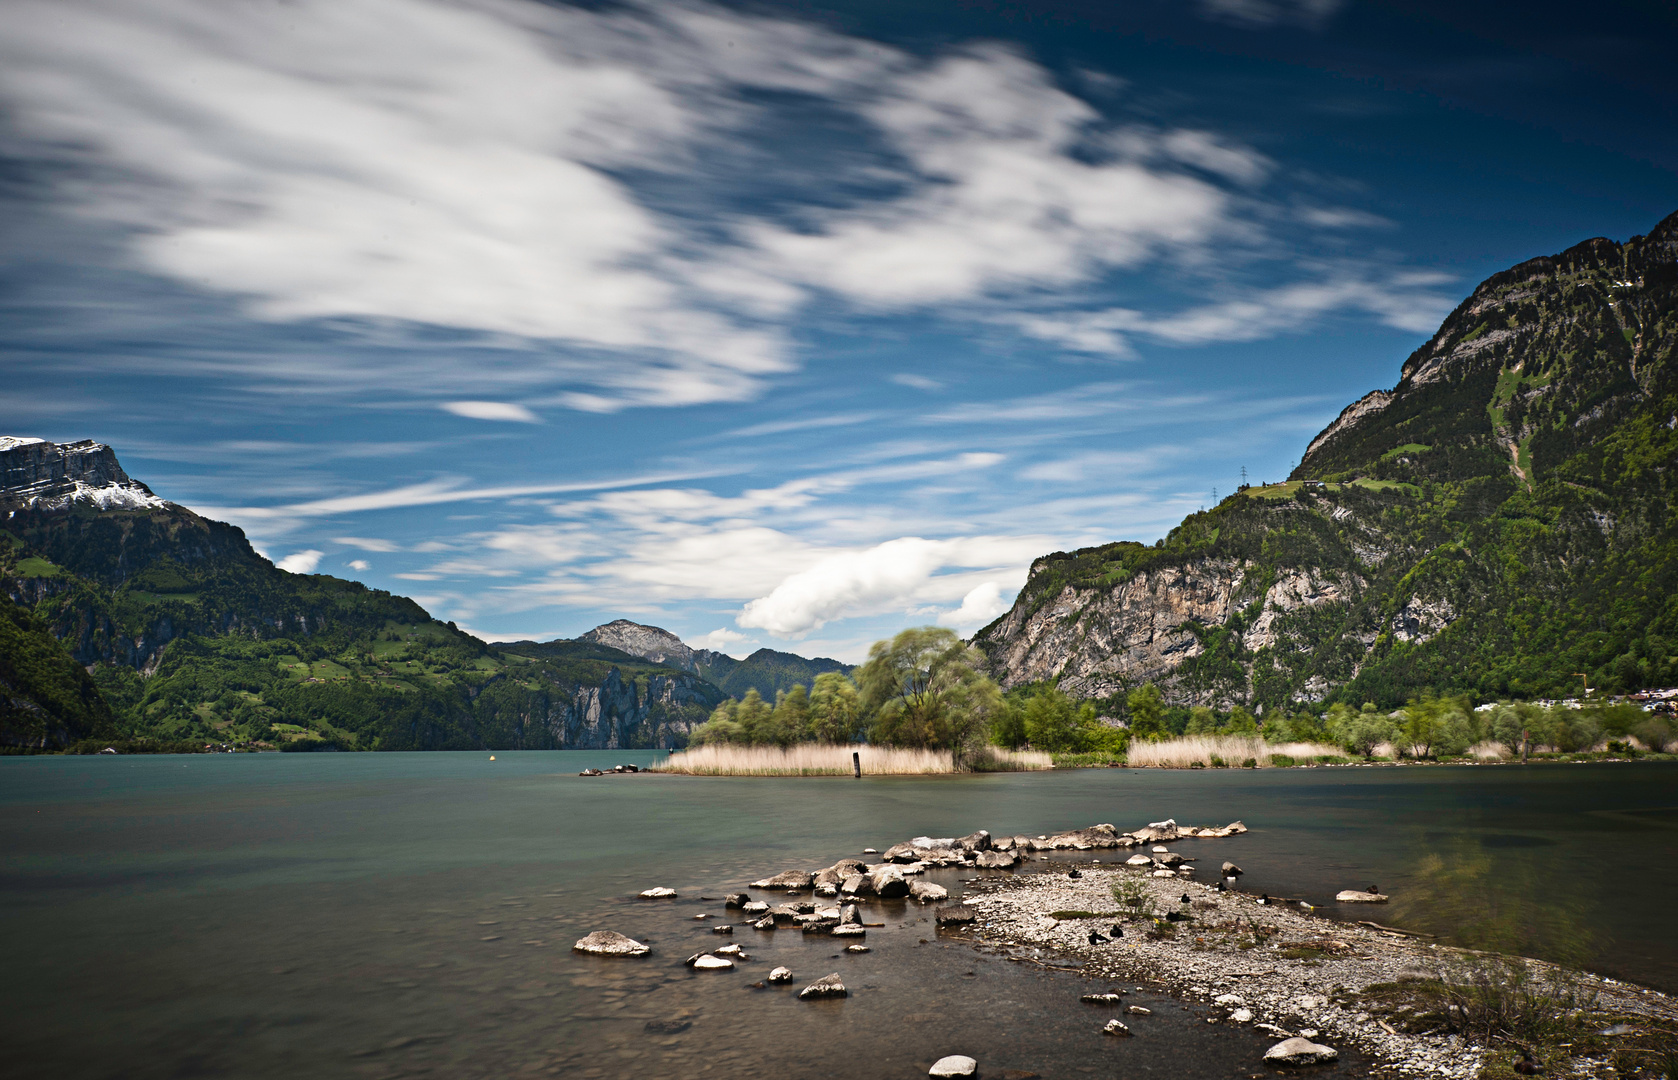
(790, 722)
(1202, 721)
(1241, 722)
(835, 710)
(1051, 719)
(926, 688)
(755, 718)
(1360, 732)
(1147, 713)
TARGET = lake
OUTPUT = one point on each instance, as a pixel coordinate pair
(385, 915)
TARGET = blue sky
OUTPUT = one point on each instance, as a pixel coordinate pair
(773, 324)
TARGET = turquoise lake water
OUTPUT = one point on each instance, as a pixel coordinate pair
(384, 915)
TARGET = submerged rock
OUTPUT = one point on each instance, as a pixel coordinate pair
(658, 893)
(780, 975)
(790, 880)
(610, 943)
(1112, 997)
(1299, 1052)
(1116, 1026)
(1360, 896)
(707, 962)
(954, 1065)
(828, 986)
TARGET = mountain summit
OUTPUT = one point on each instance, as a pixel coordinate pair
(1497, 523)
(36, 474)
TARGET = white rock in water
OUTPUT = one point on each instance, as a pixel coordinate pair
(1242, 1016)
(1111, 998)
(781, 975)
(1161, 850)
(1140, 1011)
(1139, 860)
(707, 962)
(926, 891)
(848, 931)
(660, 893)
(1360, 896)
(730, 950)
(954, 1065)
(1115, 1027)
(825, 987)
(1300, 1052)
(1165, 873)
(857, 949)
(610, 943)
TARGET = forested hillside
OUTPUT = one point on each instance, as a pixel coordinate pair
(192, 636)
(1499, 524)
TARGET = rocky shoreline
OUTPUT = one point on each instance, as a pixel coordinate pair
(1306, 980)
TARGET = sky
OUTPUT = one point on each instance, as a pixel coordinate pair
(774, 324)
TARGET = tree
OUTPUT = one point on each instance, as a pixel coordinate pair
(926, 688)
(1051, 719)
(1241, 722)
(835, 710)
(1147, 713)
(1360, 732)
(754, 717)
(790, 722)
(721, 727)
(1202, 721)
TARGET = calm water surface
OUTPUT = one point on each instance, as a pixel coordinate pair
(384, 915)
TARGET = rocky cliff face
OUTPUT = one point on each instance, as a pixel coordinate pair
(1501, 518)
(648, 642)
(617, 715)
(35, 474)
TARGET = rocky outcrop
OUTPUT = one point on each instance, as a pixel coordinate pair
(40, 475)
(648, 642)
(617, 715)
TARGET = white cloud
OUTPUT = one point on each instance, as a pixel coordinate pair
(918, 382)
(366, 543)
(359, 565)
(977, 608)
(1270, 12)
(898, 573)
(301, 562)
(491, 410)
(719, 640)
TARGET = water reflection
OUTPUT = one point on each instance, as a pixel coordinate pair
(1487, 892)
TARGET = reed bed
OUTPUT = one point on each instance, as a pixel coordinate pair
(1210, 751)
(821, 759)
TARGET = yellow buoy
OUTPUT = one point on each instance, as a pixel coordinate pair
(492, 757)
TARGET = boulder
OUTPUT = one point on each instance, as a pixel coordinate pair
(735, 900)
(1170, 858)
(707, 962)
(1116, 1026)
(828, 876)
(724, 929)
(827, 890)
(1005, 843)
(731, 949)
(1242, 1016)
(926, 891)
(844, 868)
(887, 883)
(1023, 844)
(780, 975)
(857, 885)
(1139, 860)
(955, 915)
(1299, 1052)
(850, 915)
(765, 923)
(659, 893)
(857, 949)
(995, 860)
(828, 986)
(1165, 873)
(820, 926)
(979, 841)
(754, 907)
(610, 943)
(900, 853)
(1112, 997)
(1230, 999)
(790, 880)
(785, 914)
(1359, 896)
(1231, 870)
(849, 931)
(954, 1065)
(1138, 1010)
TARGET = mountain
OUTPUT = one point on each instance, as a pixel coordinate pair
(767, 671)
(1497, 523)
(189, 634)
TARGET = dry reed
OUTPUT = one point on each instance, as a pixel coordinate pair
(1233, 750)
(823, 759)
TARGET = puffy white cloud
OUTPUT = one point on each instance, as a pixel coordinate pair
(359, 565)
(301, 562)
(977, 608)
(492, 410)
(718, 640)
(896, 574)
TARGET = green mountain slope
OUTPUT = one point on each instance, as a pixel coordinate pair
(46, 699)
(767, 671)
(1499, 523)
(191, 635)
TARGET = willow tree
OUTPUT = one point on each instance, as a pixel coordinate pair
(926, 688)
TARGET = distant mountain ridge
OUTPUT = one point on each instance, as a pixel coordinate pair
(768, 671)
(130, 617)
(1498, 522)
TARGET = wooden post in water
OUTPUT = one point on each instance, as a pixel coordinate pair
(856, 763)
